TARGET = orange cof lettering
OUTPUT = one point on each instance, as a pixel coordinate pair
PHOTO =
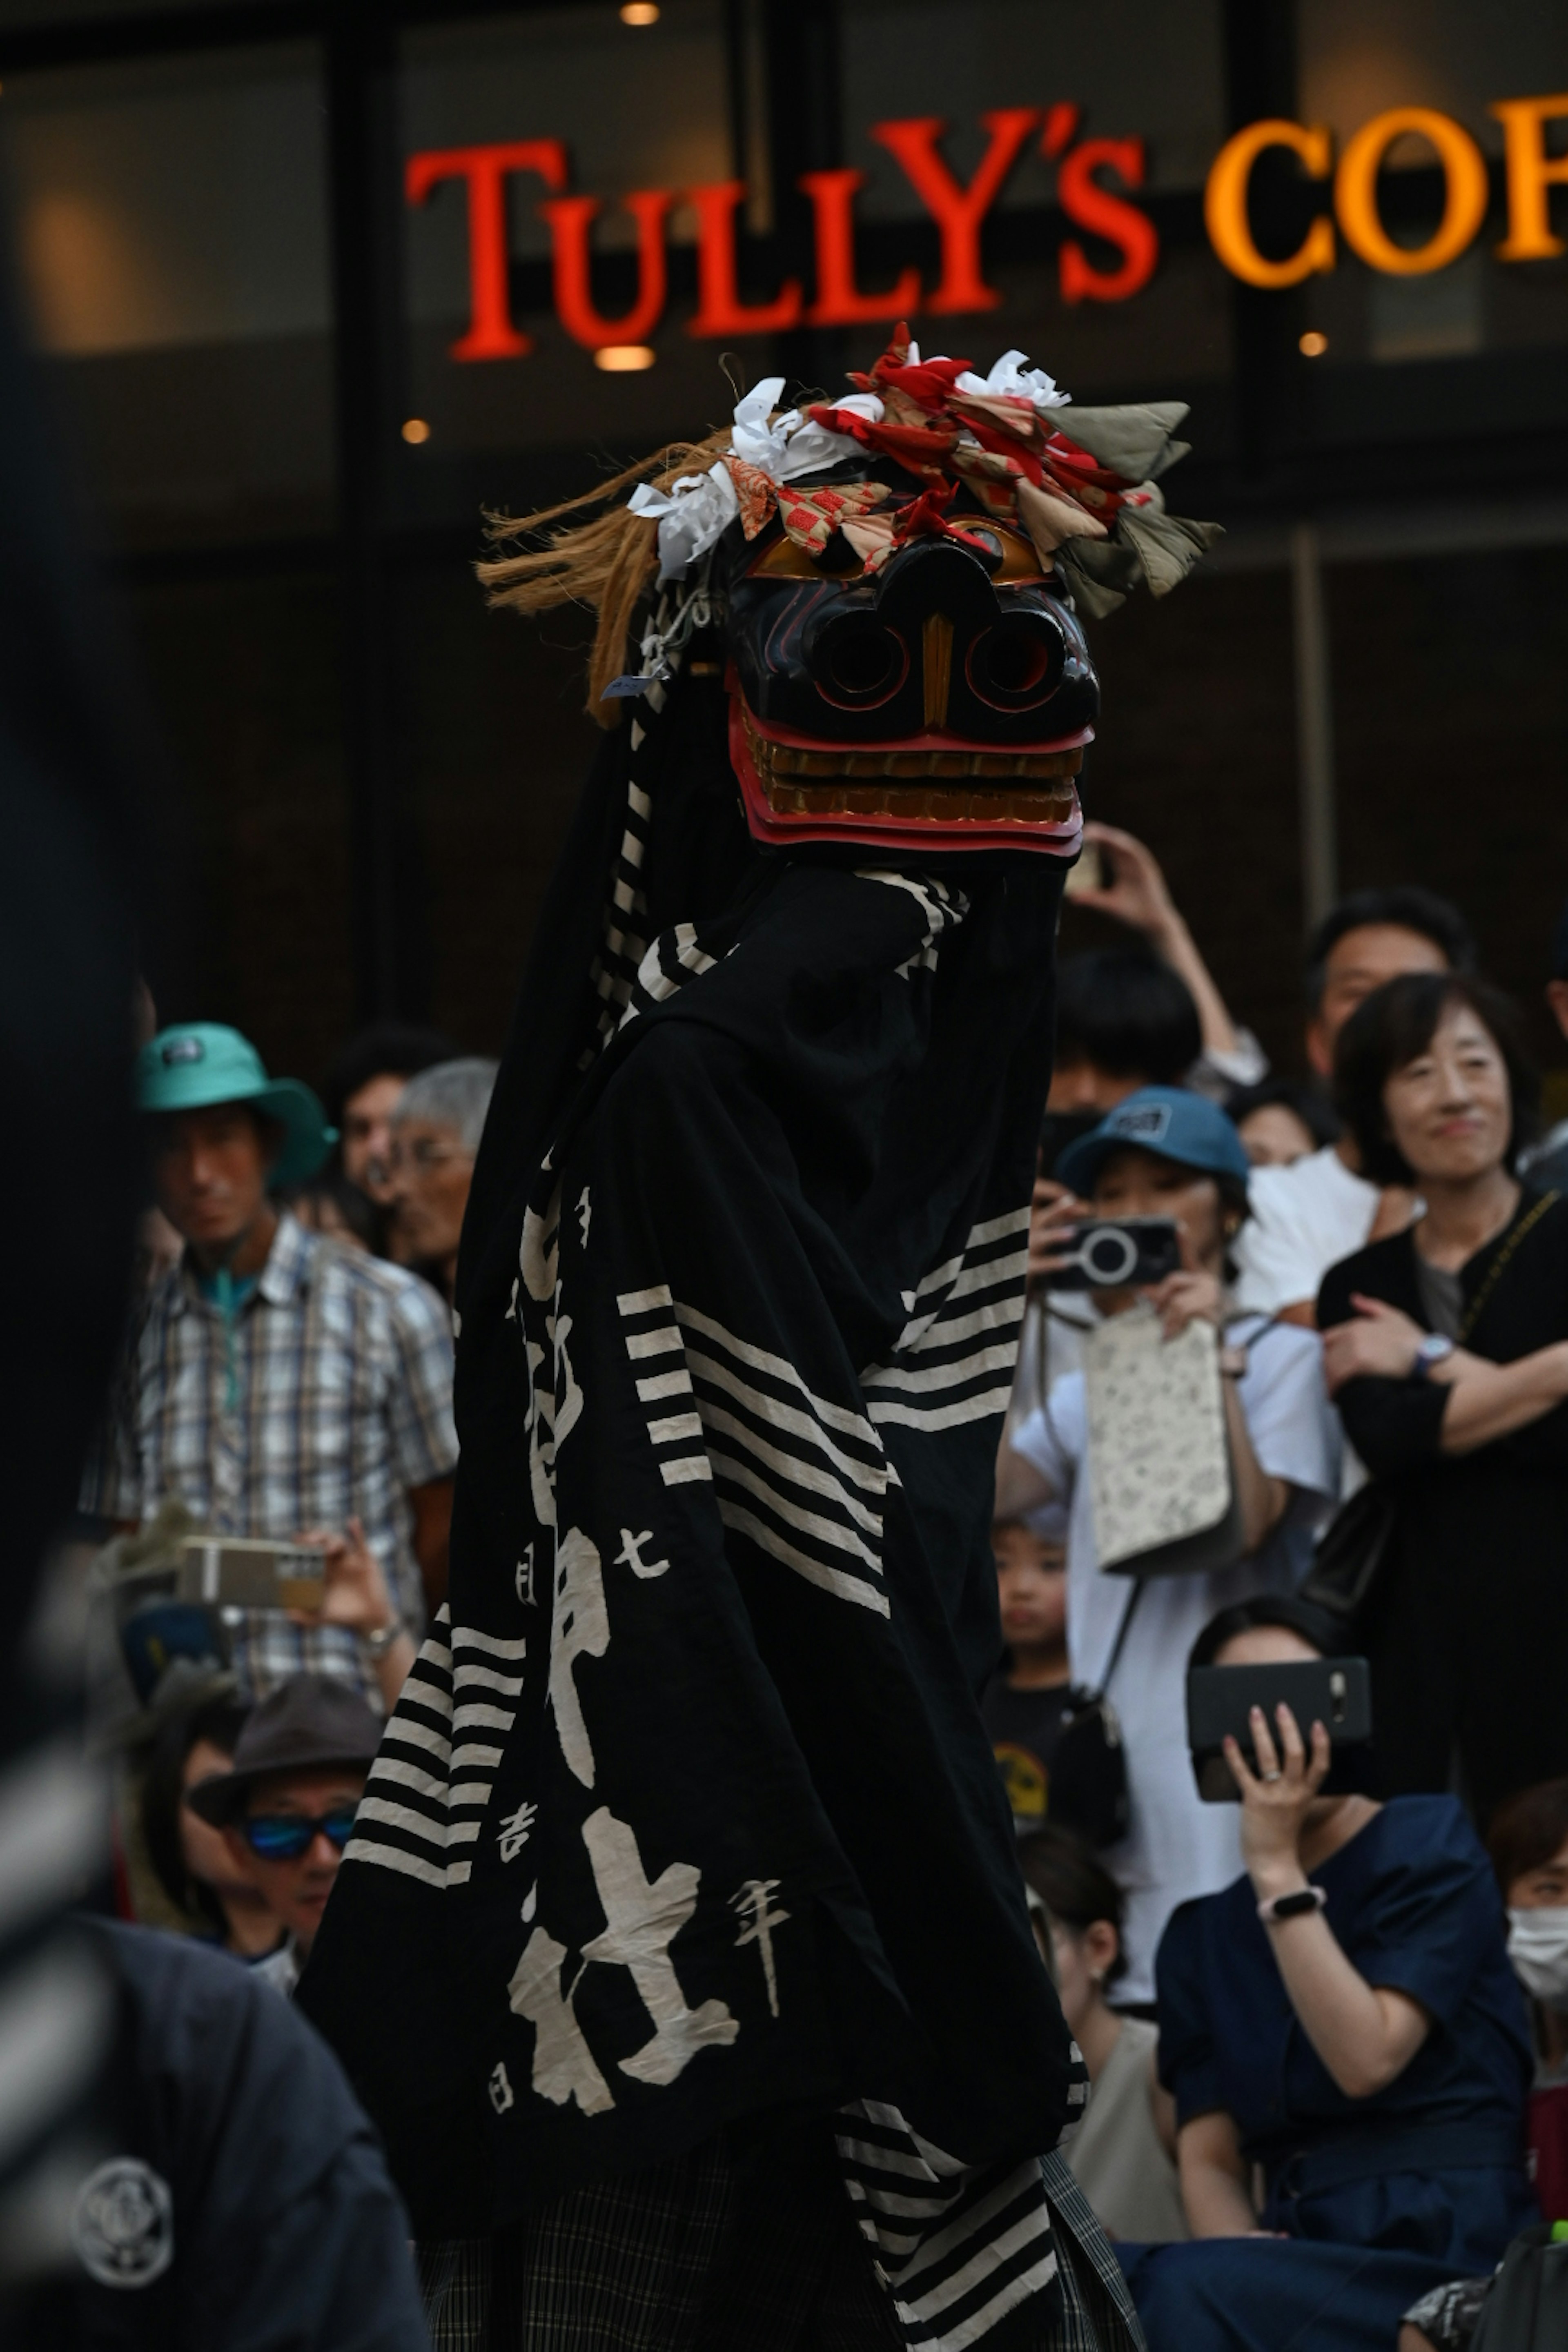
(1225, 203)
(1355, 190)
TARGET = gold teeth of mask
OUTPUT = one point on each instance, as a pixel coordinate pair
(790, 776)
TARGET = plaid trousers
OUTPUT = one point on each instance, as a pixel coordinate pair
(749, 2241)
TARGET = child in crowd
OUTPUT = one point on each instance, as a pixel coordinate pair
(1123, 2154)
(1026, 1700)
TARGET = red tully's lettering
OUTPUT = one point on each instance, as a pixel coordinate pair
(957, 211)
(1094, 208)
(720, 310)
(571, 220)
(839, 301)
(490, 332)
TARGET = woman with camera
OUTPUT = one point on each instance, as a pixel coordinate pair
(1346, 2046)
(1169, 1154)
(1446, 1353)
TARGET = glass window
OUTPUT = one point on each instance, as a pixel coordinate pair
(1359, 58)
(1151, 69)
(635, 108)
(258, 891)
(172, 222)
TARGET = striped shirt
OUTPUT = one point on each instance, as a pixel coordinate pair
(330, 1399)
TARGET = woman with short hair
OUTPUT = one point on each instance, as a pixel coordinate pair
(1445, 1349)
(1346, 2047)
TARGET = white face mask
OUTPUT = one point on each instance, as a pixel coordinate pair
(1538, 1947)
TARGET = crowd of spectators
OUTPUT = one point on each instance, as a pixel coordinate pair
(1324, 2032)
(1323, 2023)
(286, 1387)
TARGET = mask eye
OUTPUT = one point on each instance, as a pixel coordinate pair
(1017, 663)
(857, 662)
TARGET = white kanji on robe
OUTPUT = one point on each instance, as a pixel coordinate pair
(642, 1919)
(564, 2064)
(580, 1627)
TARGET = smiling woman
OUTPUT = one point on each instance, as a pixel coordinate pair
(1447, 1351)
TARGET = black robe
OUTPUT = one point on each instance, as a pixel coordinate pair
(1468, 1629)
(688, 1812)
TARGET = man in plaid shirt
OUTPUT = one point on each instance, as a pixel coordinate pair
(274, 1382)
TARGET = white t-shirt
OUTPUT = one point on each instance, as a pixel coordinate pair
(1178, 1847)
(1303, 1220)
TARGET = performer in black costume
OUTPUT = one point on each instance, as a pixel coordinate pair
(681, 1951)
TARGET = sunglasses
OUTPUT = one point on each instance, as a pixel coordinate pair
(286, 1837)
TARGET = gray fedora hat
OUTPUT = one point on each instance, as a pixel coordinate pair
(308, 1724)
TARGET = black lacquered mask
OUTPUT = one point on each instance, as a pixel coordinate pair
(948, 694)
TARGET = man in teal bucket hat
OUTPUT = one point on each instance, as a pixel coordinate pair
(206, 1066)
(278, 1385)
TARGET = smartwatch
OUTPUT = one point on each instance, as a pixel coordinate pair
(1291, 1906)
(1434, 1350)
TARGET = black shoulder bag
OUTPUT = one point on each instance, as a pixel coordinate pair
(1088, 1785)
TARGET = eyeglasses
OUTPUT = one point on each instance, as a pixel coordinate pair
(286, 1837)
(423, 1155)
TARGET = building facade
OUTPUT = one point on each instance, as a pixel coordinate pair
(322, 282)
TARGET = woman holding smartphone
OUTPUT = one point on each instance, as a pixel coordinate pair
(1167, 1153)
(1446, 1353)
(1341, 2030)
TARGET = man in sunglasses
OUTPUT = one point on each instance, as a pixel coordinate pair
(286, 1804)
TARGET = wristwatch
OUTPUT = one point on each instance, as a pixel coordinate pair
(380, 1641)
(1434, 1350)
(1291, 1906)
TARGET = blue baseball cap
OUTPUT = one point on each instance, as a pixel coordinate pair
(1170, 1121)
(203, 1062)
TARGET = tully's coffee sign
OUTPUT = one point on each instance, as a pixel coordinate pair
(1097, 182)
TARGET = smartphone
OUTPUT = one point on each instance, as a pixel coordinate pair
(1087, 872)
(1110, 1252)
(1334, 1692)
(241, 1573)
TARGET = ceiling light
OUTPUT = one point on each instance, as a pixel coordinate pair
(416, 430)
(625, 359)
(1312, 345)
(639, 12)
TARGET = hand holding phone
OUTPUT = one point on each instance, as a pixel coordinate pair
(1225, 1705)
(1276, 1797)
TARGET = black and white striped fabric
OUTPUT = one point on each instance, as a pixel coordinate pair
(960, 2247)
(687, 1813)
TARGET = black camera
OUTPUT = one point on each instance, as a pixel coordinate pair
(1112, 1252)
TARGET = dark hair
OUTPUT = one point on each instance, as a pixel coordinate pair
(1247, 1616)
(1128, 1014)
(1558, 954)
(1405, 905)
(1390, 1028)
(356, 1209)
(1527, 1830)
(1074, 1887)
(1299, 1096)
(219, 1721)
(398, 1049)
